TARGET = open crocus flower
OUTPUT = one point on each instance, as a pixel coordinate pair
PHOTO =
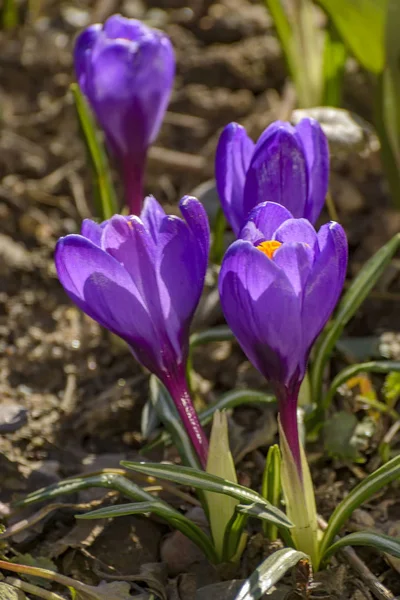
(288, 165)
(278, 284)
(142, 278)
(126, 71)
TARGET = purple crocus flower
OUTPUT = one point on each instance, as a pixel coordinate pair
(279, 284)
(142, 278)
(288, 165)
(126, 71)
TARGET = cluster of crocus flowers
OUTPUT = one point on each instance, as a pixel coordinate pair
(126, 71)
(141, 278)
(288, 165)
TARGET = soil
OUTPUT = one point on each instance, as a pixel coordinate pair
(71, 397)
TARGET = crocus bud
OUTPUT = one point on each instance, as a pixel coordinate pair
(288, 165)
(126, 71)
(142, 278)
(279, 284)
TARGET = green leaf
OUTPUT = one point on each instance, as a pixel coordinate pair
(284, 31)
(226, 402)
(220, 333)
(234, 536)
(384, 98)
(109, 480)
(257, 510)
(333, 68)
(106, 205)
(388, 101)
(209, 483)
(362, 492)
(374, 366)
(348, 306)
(175, 519)
(168, 414)
(361, 24)
(269, 573)
(302, 43)
(271, 488)
(217, 247)
(391, 76)
(379, 541)
(235, 398)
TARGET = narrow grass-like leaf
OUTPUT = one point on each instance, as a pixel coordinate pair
(284, 31)
(164, 511)
(217, 247)
(234, 535)
(209, 483)
(351, 301)
(361, 24)
(269, 573)
(384, 95)
(109, 480)
(220, 333)
(226, 402)
(333, 68)
(362, 492)
(379, 541)
(271, 488)
(106, 204)
(375, 366)
(168, 414)
(236, 398)
(387, 114)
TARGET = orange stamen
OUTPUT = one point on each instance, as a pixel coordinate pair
(269, 247)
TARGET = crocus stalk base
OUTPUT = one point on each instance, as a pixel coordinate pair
(288, 422)
(300, 500)
(181, 397)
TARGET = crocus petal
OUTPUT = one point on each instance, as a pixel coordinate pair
(325, 282)
(102, 288)
(180, 273)
(109, 84)
(296, 260)
(262, 310)
(297, 230)
(316, 151)
(118, 26)
(152, 216)
(83, 44)
(92, 230)
(232, 160)
(196, 218)
(271, 130)
(266, 217)
(277, 173)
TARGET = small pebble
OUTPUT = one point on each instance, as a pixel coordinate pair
(12, 417)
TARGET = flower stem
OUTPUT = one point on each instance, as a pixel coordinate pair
(132, 174)
(288, 419)
(181, 397)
